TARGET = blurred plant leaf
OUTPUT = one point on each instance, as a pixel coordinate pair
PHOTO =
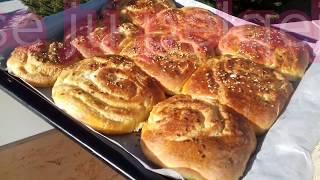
(49, 7)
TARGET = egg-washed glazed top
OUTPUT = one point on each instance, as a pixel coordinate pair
(198, 139)
(103, 41)
(40, 63)
(110, 94)
(140, 11)
(198, 27)
(165, 58)
(256, 92)
(271, 47)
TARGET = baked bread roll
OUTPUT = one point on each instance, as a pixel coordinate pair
(256, 92)
(112, 95)
(170, 50)
(41, 63)
(140, 11)
(89, 34)
(165, 58)
(198, 139)
(268, 46)
(89, 45)
(103, 41)
(198, 27)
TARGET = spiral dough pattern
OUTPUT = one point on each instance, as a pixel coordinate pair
(41, 63)
(200, 140)
(110, 94)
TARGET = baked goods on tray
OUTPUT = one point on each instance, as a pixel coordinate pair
(41, 63)
(227, 86)
(256, 92)
(110, 94)
(268, 46)
(199, 140)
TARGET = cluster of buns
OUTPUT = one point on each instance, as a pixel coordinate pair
(225, 85)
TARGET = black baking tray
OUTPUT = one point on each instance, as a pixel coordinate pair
(105, 150)
(102, 148)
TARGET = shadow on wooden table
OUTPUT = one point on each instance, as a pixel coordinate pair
(51, 156)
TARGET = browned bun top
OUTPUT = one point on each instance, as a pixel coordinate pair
(198, 139)
(199, 27)
(40, 63)
(165, 58)
(105, 40)
(256, 92)
(270, 47)
(175, 43)
(140, 11)
(110, 94)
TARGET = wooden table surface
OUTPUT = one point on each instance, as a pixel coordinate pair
(51, 156)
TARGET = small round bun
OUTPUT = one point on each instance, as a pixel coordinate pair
(256, 92)
(41, 63)
(199, 140)
(110, 94)
(270, 47)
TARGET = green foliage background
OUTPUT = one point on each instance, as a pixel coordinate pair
(48, 7)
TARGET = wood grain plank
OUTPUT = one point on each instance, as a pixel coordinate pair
(51, 156)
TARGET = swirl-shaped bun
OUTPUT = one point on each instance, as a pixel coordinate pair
(41, 63)
(111, 94)
(268, 46)
(256, 92)
(200, 140)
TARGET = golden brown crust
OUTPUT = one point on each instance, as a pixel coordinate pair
(164, 58)
(89, 46)
(40, 63)
(199, 27)
(268, 46)
(111, 94)
(170, 50)
(200, 140)
(104, 41)
(256, 92)
(140, 11)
